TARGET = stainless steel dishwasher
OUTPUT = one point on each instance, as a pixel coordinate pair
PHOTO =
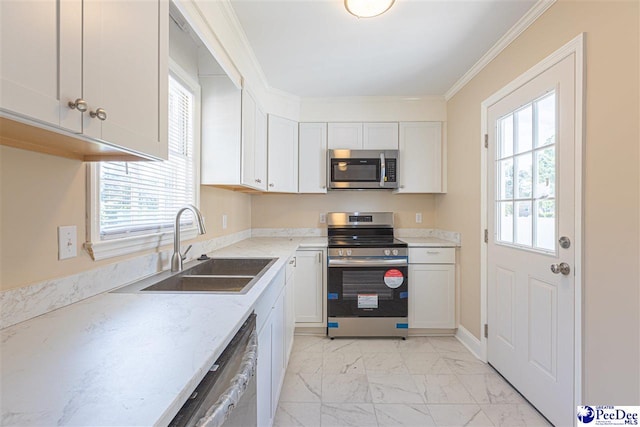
(226, 396)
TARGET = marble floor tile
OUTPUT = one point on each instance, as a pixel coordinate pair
(459, 415)
(291, 414)
(345, 388)
(416, 345)
(398, 414)
(425, 363)
(393, 388)
(305, 362)
(442, 388)
(513, 415)
(447, 344)
(466, 363)
(301, 387)
(308, 343)
(490, 388)
(342, 362)
(348, 415)
(384, 363)
(379, 345)
(341, 345)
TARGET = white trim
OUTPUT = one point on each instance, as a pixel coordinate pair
(472, 343)
(576, 47)
(518, 28)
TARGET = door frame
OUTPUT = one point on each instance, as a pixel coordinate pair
(575, 46)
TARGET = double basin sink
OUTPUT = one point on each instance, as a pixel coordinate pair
(215, 275)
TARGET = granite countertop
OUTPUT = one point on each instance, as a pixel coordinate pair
(125, 359)
(432, 242)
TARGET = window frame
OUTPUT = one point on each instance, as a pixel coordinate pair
(102, 249)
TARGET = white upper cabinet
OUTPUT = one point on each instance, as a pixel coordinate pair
(312, 177)
(110, 57)
(234, 136)
(380, 136)
(283, 155)
(422, 156)
(363, 136)
(345, 135)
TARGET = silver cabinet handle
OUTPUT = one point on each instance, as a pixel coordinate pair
(79, 104)
(100, 113)
(562, 268)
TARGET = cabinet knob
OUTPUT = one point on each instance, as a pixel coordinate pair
(79, 104)
(272, 185)
(100, 113)
(258, 181)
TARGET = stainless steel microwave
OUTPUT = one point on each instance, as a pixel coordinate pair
(362, 169)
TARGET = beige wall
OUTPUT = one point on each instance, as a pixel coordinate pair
(303, 210)
(611, 183)
(41, 192)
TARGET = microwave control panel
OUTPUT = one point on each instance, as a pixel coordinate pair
(391, 170)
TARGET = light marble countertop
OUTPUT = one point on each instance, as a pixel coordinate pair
(432, 242)
(125, 359)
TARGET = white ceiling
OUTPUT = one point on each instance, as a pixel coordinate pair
(315, 48)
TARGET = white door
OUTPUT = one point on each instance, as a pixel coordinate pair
(344, 136)
(312, 158)
(282, 162)
(380, 136)
(421, 157)
(531, 207)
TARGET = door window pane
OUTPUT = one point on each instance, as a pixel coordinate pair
(546, 224)
(506, 136)
(524, 121)
(505, 221)
(546, 120)
(523, 223)
(546, 171)
(505, 179)
(523, 176)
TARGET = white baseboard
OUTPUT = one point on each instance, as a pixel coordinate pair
(473, 344)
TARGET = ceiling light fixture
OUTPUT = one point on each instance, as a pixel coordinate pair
(367, 8)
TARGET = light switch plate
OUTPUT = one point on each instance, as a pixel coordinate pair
(419, 218)
(67, 241)
(323, 218)
(224, 221)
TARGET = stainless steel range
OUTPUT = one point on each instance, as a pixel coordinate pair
(367, 285)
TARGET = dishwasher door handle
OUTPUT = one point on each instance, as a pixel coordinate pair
(220, 411)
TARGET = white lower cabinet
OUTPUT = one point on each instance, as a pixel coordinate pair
(309, 290)
(275, 338)
(432, 288)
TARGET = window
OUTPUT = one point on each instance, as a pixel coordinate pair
(134, 203)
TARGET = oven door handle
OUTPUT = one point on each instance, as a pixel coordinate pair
(368, 263)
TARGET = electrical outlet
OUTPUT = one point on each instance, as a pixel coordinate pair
(323, 218)
(67, 242)
(419, 218)
(224, 221)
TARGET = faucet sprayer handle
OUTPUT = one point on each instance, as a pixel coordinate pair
(184, 255)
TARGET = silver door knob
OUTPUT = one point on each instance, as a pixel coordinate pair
(100, 113)
(562, 268)
(79, 104)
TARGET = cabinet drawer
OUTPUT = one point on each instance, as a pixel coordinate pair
(432, 255)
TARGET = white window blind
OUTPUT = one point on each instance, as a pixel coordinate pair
(143, 197)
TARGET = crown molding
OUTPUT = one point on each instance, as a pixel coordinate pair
(518, 28)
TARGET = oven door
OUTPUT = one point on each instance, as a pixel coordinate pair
(371, 291)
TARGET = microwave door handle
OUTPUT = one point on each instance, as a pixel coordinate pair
(383, 169)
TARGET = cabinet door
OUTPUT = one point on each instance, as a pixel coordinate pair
(308, 293)
(248, 164)
(125, 72)
(283, 155)
(289, 308)
(260, 151)
(432, 296)
(312, 177)
(344, 135)
(380, 136)
(277, 351)
(421, 157)
(41, 45)
(263, 376)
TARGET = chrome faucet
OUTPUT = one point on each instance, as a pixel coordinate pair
(177, 257)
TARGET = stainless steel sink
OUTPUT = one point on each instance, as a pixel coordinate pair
(216, 275)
